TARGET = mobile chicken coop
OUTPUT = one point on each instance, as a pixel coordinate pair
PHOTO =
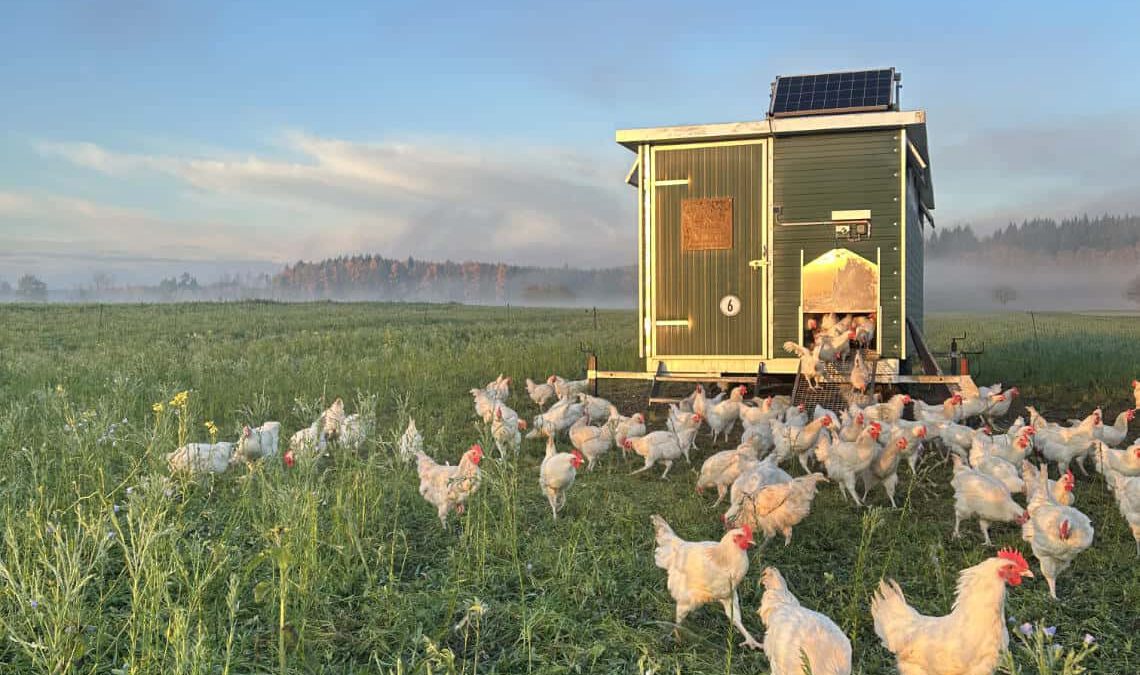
(748, 230)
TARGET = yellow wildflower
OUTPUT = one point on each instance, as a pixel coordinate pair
(158, 407)
(212, 429)
(181, 399)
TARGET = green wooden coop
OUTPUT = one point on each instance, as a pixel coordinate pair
(746, 230)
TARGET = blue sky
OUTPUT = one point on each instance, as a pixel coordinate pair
(144, 138)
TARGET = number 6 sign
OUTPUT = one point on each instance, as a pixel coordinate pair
(730, 305)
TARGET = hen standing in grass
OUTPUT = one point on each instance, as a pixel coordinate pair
(968, 640)
(1057, 534)
(539, 393)
(557, 474)
(987, 498)
(447, 487)
(799, 640)
(705, 571)
(778, 507)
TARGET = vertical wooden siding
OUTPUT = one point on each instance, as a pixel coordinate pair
(814, 175)
(914, 259)
(690, 284)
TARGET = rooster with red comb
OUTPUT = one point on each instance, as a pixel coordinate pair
(705, 571)
(967, 641)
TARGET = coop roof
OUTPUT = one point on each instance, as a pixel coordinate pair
(914, 121)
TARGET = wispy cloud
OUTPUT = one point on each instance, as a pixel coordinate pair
(430, 199)
(1071, 166)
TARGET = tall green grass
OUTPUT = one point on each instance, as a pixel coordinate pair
(340, 566)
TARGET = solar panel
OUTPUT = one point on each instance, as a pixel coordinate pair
(856, 91)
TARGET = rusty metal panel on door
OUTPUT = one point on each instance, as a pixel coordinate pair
(709, 254)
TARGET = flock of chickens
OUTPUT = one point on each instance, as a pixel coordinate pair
(860, 449)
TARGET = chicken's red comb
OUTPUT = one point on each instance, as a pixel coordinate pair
(747, 531)
(1014, 556)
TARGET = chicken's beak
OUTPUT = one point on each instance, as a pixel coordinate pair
(1028, 573)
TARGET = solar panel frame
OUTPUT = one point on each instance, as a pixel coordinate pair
(832, 93)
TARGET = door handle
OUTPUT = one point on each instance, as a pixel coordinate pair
(757, 264)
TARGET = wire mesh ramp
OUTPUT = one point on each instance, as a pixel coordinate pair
(833, 390)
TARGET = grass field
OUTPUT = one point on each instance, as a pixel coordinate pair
(345, 568)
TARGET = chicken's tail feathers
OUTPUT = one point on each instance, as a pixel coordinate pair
(892, 614)
(666, 538)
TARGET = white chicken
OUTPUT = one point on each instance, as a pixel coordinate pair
(722, 469)
(1112, 463)
(1127, 491)
(795, 416)
(883, 469)
(446, 487)
(948, 411)
(721, 417)
(564, 388)
(662, 446)
(506, 430)
(624, 427)
(596, 408)
(792, 441)
(864, 330)
(751, 480)
(891, 411)
(810, 367)
(200, 459)
(967, 641)
(311, 440)
(755, 415)
(411, 442)
(1114, 435)
(256, 443)
(1062, 446)
(1061, 490)
(700, 572)
(984, 497)
(845, 461)
(860, 374)
(354, 431)
(556, 474)
(332, 419)
(796, 635)
(484, 404)
(1013, 447)
(778, 507)
(591, 441)
(758, 436)
(1057, 534)
(996, 467)
(556, 419)
(540, 393)
(499, 389)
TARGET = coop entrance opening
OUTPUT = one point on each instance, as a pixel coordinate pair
(838, 284)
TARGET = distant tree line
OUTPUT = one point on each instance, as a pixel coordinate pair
(1043, 236)
(29, 288)
(378, 277)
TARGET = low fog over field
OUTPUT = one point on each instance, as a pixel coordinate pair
(953, 286)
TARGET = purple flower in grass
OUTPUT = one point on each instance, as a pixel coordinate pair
(1026, 628)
